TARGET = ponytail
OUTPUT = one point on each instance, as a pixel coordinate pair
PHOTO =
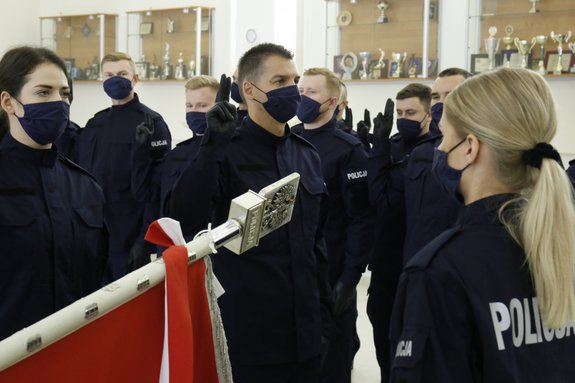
(547, 233)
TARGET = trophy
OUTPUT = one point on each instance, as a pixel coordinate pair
(180, 68)
(349, 64)
(365, 58)
(167, 70)
(524, 48)
(397, 60)
(191, 68)
(572, 47)
(171, 25)
(382, 5)
(492, 46)
(541, 40)
(507, 40)
(380, 66)
(559, 39)
(534, 6)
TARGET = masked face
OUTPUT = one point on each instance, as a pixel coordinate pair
(448, 177)
(44, 122)
(309, 109)
(409, 129)
(197, 122)
(282, 103)
(117, 87)
(437, 112)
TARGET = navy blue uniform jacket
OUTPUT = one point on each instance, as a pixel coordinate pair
(272, 308)
(173, 165)
(104, 148)
(466, 311)
(52, 234)
(349, 226)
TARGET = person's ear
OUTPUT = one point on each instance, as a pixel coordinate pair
(6, 102)
(473, 148)
(248, 89)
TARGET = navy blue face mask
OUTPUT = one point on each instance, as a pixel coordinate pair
(118, 87)
(448, 177)
(44, 122)
(308, 110)
(282, 103)
(336, 111)
(197, 122)
(409, 129)
(437, 112)
(235, 93)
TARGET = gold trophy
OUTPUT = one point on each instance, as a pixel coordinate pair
(380, 66)
(365, 59)
(524, 48)
(382, 5)
(534, 6)
(397, 60)
(492, 46)
(508, 40)
(180, 73)
(541, 40)
(559, 39)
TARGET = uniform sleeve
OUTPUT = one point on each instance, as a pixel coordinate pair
(320, 251)
(432, 329)
(198, 190)
(360, 216)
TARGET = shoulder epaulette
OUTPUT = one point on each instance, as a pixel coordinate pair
(424, 257)
(72, 165)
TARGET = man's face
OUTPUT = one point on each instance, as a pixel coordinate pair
(200, 100)
(277, 72)
(443, 86)
(118, 68)
(314, 87)
(411, 108)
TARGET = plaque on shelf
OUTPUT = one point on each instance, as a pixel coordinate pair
(344, 18)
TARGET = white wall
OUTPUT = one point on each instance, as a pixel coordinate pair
(273, 20)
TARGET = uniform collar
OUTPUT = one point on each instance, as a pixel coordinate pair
(328, 127)
(485, 210)
(130, 104)
(43, 157)
(250, 128)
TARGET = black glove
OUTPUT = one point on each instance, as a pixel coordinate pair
(145, 129)
(348, 119)
(363, 128)
(342, 296)
(139, 255)
(383, 123)
(366, 118)
(221, 118)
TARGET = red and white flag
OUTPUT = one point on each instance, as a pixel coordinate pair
(170, 333)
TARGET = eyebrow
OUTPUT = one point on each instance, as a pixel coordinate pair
(44, 86)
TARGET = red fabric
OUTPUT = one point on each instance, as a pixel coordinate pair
(204, 367)
(180, 335)
(126, 344)
(123, 346)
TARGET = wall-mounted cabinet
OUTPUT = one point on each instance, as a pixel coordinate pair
(534, 34)
(377, 39)
(171, 44)
(81, 40)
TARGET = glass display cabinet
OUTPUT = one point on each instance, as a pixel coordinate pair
(81, 40)
(382, 39)
(534, 34)
(171, 44)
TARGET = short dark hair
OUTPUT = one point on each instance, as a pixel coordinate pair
(16, 65)
(250, 65)
(454, 71)
(421, 91)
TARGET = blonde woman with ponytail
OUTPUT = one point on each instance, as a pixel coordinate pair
(493, 299)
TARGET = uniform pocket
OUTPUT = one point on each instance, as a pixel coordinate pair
(92, 217)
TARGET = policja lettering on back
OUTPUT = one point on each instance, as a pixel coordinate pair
(521, 316)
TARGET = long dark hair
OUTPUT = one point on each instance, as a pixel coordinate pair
(15, 66)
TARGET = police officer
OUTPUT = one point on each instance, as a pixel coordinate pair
(411, 207)
(276, 308)
(51, 211)
(492, 299)
(349, 221)
(447, 80)
(105, 148)
(200, 97)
